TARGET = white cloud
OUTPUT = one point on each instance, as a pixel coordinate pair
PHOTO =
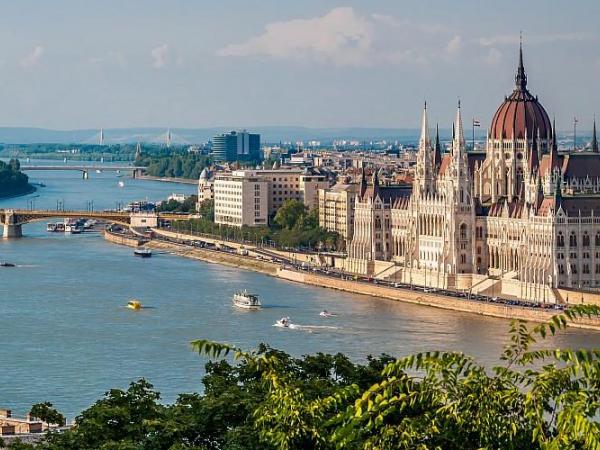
(493, 57)
(340, 36)
(346, 38)
(32, 58)
(454, 46)
(159, 56)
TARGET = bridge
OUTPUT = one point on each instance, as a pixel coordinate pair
(13, 219)
(86, 168)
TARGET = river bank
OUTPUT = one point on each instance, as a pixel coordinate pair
(30, 190)
(430, 299)
(167, 179)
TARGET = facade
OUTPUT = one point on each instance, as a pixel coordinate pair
(236, 146)
(277, 186)
(241, 199)
(336, 209)
(520, 217)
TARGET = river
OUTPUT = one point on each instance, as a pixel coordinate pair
(67, 337)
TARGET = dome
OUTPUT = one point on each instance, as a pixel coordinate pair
(520, 114)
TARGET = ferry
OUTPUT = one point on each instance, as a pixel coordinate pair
(51, 227)
(143, 252)
(72, 226)
(246, 300)
(136, 305)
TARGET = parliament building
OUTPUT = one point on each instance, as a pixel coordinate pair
(519, 218)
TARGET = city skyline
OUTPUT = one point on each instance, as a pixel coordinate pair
(344, 64)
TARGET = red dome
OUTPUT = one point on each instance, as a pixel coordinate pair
(520, 113)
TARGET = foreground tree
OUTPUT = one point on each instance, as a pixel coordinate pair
(535, 398)
(47, 413)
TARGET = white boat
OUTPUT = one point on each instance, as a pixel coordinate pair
(71, 226)
(284, 322)
(143, 252)
(245, 300)
(121, 184)
(98, 171)
(51, 227)
(326, 313)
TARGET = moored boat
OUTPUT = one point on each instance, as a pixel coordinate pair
(143, 252)
(245, 300)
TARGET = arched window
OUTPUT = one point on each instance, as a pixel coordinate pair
(463, 231)
(560, 239)
(573, 239)
(586, 239)
(597, 238)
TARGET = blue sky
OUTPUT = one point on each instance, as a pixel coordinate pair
(194, 63)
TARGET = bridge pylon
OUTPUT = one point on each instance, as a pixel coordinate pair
(11, 228)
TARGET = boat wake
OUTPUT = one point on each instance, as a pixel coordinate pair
(307, 328)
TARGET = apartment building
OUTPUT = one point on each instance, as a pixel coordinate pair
(336, 209)
(241, 198)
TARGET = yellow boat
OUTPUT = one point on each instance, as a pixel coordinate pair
(134, 304)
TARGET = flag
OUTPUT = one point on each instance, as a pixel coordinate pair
(476, 123)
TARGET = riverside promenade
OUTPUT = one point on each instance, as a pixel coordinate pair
(172, 242)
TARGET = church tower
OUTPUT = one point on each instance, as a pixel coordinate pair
(425, 170)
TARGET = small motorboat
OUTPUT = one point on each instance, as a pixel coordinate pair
(121, 184)
(143, 252)
(98, 171)
(6, 264)
(136, 305)
(284, 322)
(326, 313)
(245, 300)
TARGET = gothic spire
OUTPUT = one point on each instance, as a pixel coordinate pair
(594, 138)
(425, 140)
(558, 193)
(521, 77)
(459, 136)
(438, 147)
(554, 149)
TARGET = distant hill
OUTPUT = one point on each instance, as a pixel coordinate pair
(274, 134)
(269, 134)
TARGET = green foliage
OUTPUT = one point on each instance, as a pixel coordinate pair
(304, 232)
(174, 164)
(290, 214)
(536, 398)
(47, 413)
(12, 181)
(187, 206)
(207, 210)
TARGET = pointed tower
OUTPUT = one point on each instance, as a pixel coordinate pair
(424, 171)
(521, 76)
(437, 160)
(594, 138)
(459, 152)
(101, 136)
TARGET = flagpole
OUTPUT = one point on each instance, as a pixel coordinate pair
(473, 136)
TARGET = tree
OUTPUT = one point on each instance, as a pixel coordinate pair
(47, 413)
(290, 213)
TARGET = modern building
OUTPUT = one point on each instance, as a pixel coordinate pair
(336, 209)
(280, 185)
(519, 219)
(236, 146)
(241, 199)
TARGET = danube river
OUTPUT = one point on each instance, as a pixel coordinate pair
(67, 337)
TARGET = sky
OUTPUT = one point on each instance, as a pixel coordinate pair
(68, 64)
